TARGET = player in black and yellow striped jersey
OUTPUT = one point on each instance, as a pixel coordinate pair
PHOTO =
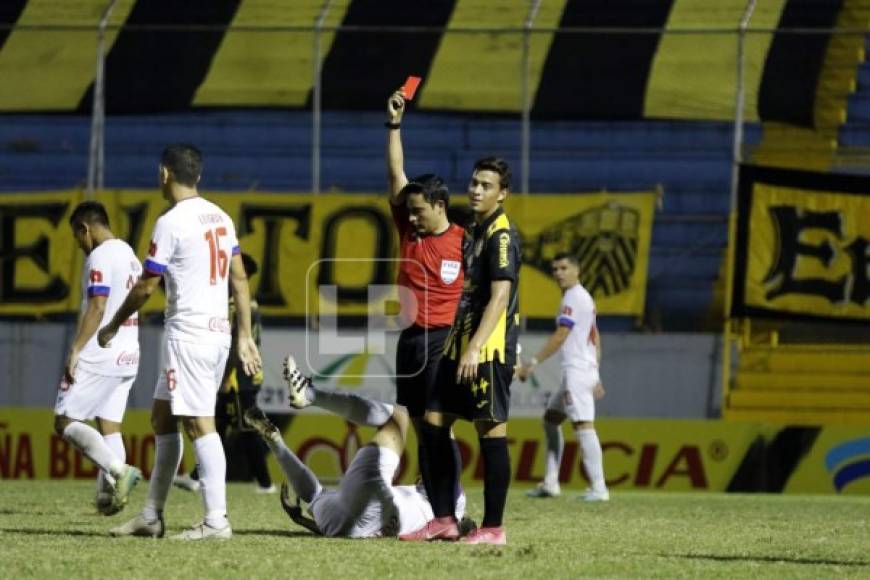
(478, 363)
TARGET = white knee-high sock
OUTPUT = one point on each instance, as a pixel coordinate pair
(354, 408)
(304, 482)
(592, 457)
(116, 444)
(167, 458)
(555, 446)
(89, 441)
(212, 478)
(105, 481)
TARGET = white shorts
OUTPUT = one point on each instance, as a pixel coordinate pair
(93, 395)
(574, 398)
(362, 506)
(191, 378)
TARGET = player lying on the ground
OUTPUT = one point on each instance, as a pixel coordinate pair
(366, 503)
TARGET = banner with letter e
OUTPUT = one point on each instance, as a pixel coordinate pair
(345, 242)
(802, 245)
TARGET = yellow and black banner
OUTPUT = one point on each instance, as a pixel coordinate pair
(619, 59)
(304, 243)
(639, 454)
(803, 245)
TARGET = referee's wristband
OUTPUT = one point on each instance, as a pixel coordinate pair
(389, 125)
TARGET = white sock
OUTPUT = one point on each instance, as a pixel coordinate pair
(303, 480)
(592, 458)
(105, 481)
(116, 443)
(167, 458)
(89, 441)
(555, 446)
(354, 408)
(212, 479)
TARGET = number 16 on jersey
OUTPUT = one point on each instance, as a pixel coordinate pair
(218, 259)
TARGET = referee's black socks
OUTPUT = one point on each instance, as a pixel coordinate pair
(496, 479)
(442, 469)
(425, 465)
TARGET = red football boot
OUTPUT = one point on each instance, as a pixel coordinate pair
(436, 529)
(495, 536)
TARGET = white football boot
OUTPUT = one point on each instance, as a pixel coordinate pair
(298, 384)
(139, 526)
(203, 531)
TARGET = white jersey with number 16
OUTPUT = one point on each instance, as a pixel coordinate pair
(191, 247)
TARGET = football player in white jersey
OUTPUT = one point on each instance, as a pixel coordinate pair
(579, 343)
(195, 250)
(366, 503)
(96, 381)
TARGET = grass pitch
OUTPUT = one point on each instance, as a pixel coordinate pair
(48, 529)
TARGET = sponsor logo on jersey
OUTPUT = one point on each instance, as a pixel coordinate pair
(221, 325)
(95, 276)
(567, 311)
(127, 359)
(152, 249)
(504, 241)
(449, 271)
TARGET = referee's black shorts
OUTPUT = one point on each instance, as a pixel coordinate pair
(417, 356)
(488, 398)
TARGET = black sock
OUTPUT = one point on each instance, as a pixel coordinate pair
(423, 461)
(441, 472)
(255, 450)
(457, 458)
(496, 479)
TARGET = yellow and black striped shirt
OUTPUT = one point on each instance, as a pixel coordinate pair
(491, 252)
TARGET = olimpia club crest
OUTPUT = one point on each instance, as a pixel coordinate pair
(605, 239)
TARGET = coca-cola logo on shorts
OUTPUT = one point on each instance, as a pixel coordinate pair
(219, 325)
(127, 359)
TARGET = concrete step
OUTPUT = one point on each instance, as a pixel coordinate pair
(798, 417)
(794, 382)
(813, 359)
(814, 401)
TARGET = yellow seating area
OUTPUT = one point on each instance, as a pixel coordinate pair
(801, 384)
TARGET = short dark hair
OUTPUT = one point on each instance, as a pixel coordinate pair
(567, 256)
(431, 187)
(89, 212)
(184, 161)
(498, 165)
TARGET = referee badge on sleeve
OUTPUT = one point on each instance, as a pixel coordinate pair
(449, 271)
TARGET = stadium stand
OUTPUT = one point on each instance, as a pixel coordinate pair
(598, 124)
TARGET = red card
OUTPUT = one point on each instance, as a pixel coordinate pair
(410, 87)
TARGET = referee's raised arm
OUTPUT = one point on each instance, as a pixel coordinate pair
(396, 178)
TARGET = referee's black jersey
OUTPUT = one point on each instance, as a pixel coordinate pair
(491, 251)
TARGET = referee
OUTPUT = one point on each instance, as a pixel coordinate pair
(477, 368)
(430, 274)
